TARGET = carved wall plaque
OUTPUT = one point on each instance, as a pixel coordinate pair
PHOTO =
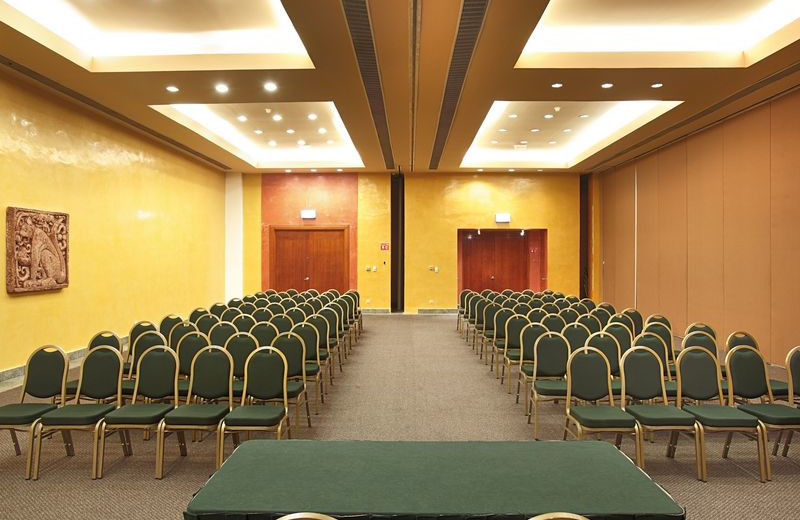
(37, 250)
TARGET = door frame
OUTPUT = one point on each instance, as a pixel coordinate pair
(345, 229)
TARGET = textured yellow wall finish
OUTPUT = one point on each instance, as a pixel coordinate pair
(437, 205)
(146, 223)
(251, 233)
(374, 228)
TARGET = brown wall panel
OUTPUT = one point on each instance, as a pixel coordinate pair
(785, 218)
(618, 237)
(647, 233)
(746, 232)
(672, 235)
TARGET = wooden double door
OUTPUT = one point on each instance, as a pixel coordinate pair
(309, 258)
(499, 259)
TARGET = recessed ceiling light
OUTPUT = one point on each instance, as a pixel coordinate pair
(313, 170)
(480, 169)
(301, 142)
(551, 142)
(502, 130)
(567, 130)
(338, 169)
(222, 88)
(557, 109)
(329, 141)
(539, 170)
(548, 116)
(523, 142)
(557, 85)
(258, 132)
(584, 116)
(288, 170)
(512, 116)
(242, 118)
(272, 143)
(656, 85)
(172, 88)
(268, 110)
(511, 169)
(607, 85)
(534, 130)
(493, 141)
(270, 86)
(290, 131)
(312, 117)
(277, 117)
(323, 130)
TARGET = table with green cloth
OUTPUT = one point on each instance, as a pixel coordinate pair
(264, 479)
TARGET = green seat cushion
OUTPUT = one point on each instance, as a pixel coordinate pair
(660, 415)
(513, 354)
(773, 413)
(488, 333)
(323, 355)
(255, 415)
(294, 388)
(672, 370)
(500, 342)
(780, 388)
(616, 386)
(23, 413)
(196, 414)
(72, 387)
(672, 388)
(721, 416)
(602, 416)
(238, 387)
(312, 369)
(557, 387)
(127, 386)
(140, 413)
(527, 370)
(76, 414)
(183, 387)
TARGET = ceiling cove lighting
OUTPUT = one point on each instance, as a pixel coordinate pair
(222, 88)
(172, 88)
(270, 86)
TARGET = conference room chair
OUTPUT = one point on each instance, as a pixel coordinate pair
(235, 302)
(510, 352)
(217, 309)
(167, 322)
(470, 315)
(547, 298)
(325, 298)
(347, 318)
(663, 331)
(315, 363)
(282, 322)
(793, 390)
(178, 331)
(625, 320)
(572, 299)
(196, 313)
(658, 318)
(138, 328)
(748, 380)
(45, 377)
(550, 354)
(553, 322)
(608, 344)
(521, 308)
(296, 314)
(220, 333)
(607, 307)
(229, 314)
(261, 303)
(590, 322)
(287, 303)
(589, 303)
(335, 342)
(700, 327)
(264, 332)
(240, 346)
(100, 381)
(622, 333)
(536, 315)
(146, 340)
(291, 292)
(244, 322)
(249, 298)
(589, 381)
(497, 342)
(580, 308)
(509, 303)
(655, 343)
(355, 307)
(601, 314)
(704, 340)
(208, 401)
(313, 292)
(345, 330)
(637, 321)
(699, 381)
(293, 348)
(642, 372)
(327, 349)
(274, 297)
(206, 322)
(247, 308)
(536, 303)
(154, 395)
(569, 315)
(265, 382)
(576, 335)
(107, 338)
(561, 303)
(528, 337)
(262, 315)
(307, 308)
(478, 323)
(550, 308)
(740, 337)
(275, 308)
(188, 347)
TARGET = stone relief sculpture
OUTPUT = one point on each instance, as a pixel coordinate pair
(37, 250)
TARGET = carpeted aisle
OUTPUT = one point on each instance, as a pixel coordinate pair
(409, 378)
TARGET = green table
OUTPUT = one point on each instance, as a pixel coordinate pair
(457, 480)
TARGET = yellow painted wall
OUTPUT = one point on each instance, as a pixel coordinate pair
(374, 228)
(438, 204)
(146, 223)
(595, 239)
(251, 233)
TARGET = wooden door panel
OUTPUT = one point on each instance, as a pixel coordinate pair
(328, 260)
(477, 260)
(290, 265)
(511, 261)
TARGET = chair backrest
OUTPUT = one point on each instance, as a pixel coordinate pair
(608, 308)
(700, 339)
(247, 308)
(550, 308)
(656, 344)
(663, 331)
(571, 298)
(178, 331)
(291, 292)
(636, 320)
(149, 339)
(262, 315)
(206, 322)
(101, 375)
(229, 314)
(249, 298)
(569, 315)
(167, 322)
(590, 322)
(548, 298)
(580, 308)
(195, 314)
(217, 309)
(748, 375)
(211, 375)
(244, 322)
(601, 314)
(220, 333)
(157, 375)
(537, 315)
(625, 320)
(793, 372)
(698, 375)
(187, 348)
(311, 339)
(287, 303)
(107, 338)
(536, 303)
(530, 334)
(576, 335)
(500, 319)
(513, 331)
(588, 376)
(740, 337)
(137, 330)
(642, 375)
(550, 354)
(561, 303)
(276, 308)
(266, 372)
(521, 308)
(623, 334)
(297, 315)
(239, 346)
(45, 373)
(554, 322)
(294, 348)
(274, 298)
(657, 318)
(283, 322)
(333, 321)
(264, 332)
(480, 313)
(589, 303)
(307, 308)
(462, 299)
(235, 302)
(607, 343)
(316, 304)
(261, 303)
(700, 327)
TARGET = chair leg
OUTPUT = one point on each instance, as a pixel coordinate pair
(316, 401)
(182, 442)
(638, 440)
(535, 419)
(618, 440)
(777, 443)
(66, 436)
(701, 444)
(160, 450)
(763, 472)
(101, 450)
(32, 433)
(37, 451)
(788, 442)
(220, 444)
(765, 450)
(95, 443)
(501, 371)
(566, 427)
(15, 441)
(308, 411)
(727, 446)
(698, 451)
(123, 441)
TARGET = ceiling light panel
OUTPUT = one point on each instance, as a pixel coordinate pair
(560, 142)
(632, 33)
(132, 35)
(273, 147)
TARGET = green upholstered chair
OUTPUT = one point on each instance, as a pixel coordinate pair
(274, 297)
(748, 380)
(607, 343)
(486, 327)
(154, 395)
(464, 314)
(334, 334)
(283, 323)
(642, 371)
(261, 303)
(244, 322)
(548, 298)
(143, 342)
(249, 298)
(328, 348)
(536, 315)
(107, 338)
(208, 401)
(138, 328)
(590, 322)
(229, 314)
(294, 349)
(589, 381)
(622, 332)
(554, 323)
(561, 303)
(307, 308)
(608, 308)
(700, 327)
(656, 343)
(793, 388)
(589, 303)
(699, 381)
(740, 337)
(262, 315)
(625, 320)
(477, 321)
(472, 314)
(521, 308)
(297, 315)
(247, 308)
(167, 322)
(664, 331)
(550, 354)
(264, 332)
(239, 346)
(496, 343)
(196, 313)
(572, 299)
(509, 303)
(287, 303)
(292, 292)
(316, 359)
(345, 328)
(188, 347)
(220, 333)
(536, 303)
(576, 335)
(601, 314)
(178, 331)
(276, 308)
(206, 322)
(706, 341)
(325, 297)
(569, 315)
(511, 345)
(636, 320)
(550, 308)
(217, 309)
(354, 304)
(658, 318)
(528, 337)
(235, 302)
(264, 405)
(45, 377)
(100, 381)
(580, 308)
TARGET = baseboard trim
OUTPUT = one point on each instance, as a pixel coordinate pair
(437, 311)
(376, 311)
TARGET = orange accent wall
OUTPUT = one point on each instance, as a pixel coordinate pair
(334, 196)
(716, 238)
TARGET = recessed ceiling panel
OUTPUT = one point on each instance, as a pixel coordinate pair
(551, 134)
(117, 35)
(635, 33)
(273, 135)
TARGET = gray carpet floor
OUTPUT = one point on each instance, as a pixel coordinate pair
(409, 378)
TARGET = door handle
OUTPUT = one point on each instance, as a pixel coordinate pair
(491, 277)
(307, 278)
